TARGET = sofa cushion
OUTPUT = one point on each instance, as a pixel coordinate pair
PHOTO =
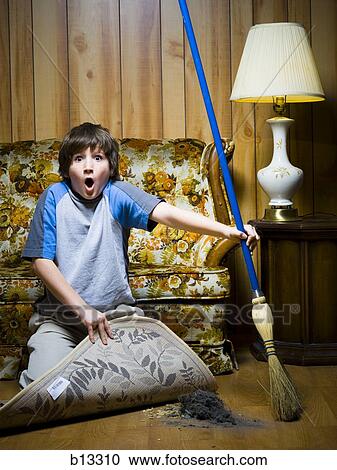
(176, 281)
(194, 323)
(19, 284)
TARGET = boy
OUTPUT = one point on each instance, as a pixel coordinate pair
(78, 245)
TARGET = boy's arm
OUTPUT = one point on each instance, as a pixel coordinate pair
(54, 280)
(172, 216)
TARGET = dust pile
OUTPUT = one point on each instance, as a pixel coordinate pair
(205, 406)
(202, 409)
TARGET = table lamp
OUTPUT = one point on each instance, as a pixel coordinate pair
(277, 66)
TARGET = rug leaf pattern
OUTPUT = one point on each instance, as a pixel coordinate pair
(144, 363)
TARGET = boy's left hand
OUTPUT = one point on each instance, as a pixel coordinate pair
(251, 236)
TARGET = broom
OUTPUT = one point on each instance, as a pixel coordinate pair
(285, 402)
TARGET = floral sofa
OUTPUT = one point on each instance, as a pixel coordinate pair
(176, 276)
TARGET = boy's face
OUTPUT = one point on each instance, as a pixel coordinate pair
(89, 172)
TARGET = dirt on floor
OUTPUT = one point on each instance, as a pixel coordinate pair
(201, 409)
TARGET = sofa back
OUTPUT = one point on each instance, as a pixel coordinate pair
(177, 170)
(27, 168)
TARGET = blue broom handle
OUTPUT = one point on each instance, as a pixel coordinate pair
(218, 143)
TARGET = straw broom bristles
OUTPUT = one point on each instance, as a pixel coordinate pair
(285, 402)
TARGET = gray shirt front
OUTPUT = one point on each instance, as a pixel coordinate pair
(87, 240)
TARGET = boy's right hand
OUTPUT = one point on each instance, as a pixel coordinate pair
(92, 319)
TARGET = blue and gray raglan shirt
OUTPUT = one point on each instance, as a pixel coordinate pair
(87, 239)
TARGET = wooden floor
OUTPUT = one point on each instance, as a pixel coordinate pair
(244, 391)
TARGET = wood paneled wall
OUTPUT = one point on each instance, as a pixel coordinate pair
(127, 65)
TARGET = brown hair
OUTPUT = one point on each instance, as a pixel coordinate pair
(88, 135)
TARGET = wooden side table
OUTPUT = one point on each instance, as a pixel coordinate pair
(299, 279)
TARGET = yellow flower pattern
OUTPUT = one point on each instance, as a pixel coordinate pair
(173, 171)
(14, 323)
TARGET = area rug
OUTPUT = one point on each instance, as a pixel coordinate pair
(145, 363)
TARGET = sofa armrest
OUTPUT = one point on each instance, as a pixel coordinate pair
(219, 251)
(222, 209)
(210, 251)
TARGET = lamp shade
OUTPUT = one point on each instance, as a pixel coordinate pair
(277, 60)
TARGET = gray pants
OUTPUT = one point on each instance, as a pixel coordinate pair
(53, 340)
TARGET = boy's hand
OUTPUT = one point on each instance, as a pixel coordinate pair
(52, 277)
(252, 237)
(92, 319)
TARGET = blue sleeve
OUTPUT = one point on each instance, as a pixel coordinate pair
(41, 241)
(131, 206)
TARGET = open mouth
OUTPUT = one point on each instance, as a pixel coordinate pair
(89, 182)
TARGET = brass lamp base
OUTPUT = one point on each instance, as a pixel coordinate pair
(281, 215)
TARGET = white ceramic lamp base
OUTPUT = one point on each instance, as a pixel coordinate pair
(280, 179)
